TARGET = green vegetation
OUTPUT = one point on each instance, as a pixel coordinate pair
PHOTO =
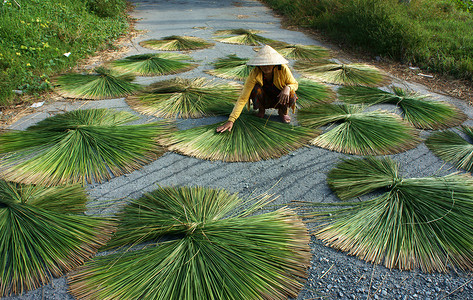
(415, 223)
(186, 98)
(41, 38)
(435, 35)
(231, 67)
(103, 83)
(154, 64)
(311, 93)
(416, 108)
(302, 52)
(177, 43)
(251, 139)
(453, 148)
(344, 74)
(214, 247)
(44, 233)
(79, 146)
(242, 37)
(358, 132)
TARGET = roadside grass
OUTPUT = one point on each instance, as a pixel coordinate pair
(40, 38)
(435, 35)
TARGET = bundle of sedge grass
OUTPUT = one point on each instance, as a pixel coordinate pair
(231, 67)
(44, 233)
(417, 109)
(79, 146)
(344, 74)
(102, 84)
(186, 98)
(220, 249)
(242, 37)
(416, 223)
(251, 139)
(358, 132)
(312, 93)
(154, 64)
(301, 52)
(453, 148)
(177, 43)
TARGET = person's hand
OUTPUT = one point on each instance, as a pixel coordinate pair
(284, 95)
(227, 126)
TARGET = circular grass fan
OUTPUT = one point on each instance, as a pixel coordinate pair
(103, 84)
(301, 52)
(358, 132)
(219, 249)
(177, 43)
(154, 64)
(242, 37)
(251, 139)
(453, 148)
(312, 93)
(186, 98)
(79, 146)
(344, 74)
(417, 223)
(44, 233)
(418, 111)
(231, 67)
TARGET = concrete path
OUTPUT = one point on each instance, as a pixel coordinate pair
(300, 175)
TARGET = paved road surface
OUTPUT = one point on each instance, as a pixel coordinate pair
(300, 175)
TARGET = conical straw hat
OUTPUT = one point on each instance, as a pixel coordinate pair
(267, 56)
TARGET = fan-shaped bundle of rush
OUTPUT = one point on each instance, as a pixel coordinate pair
(231, 67)
(417, 223)
(44, 233)
(358, 132)
(301, 52)
(150, 64)
(177, 43)
(416, 109)
(451, 147)
(79, 146)
(102, 84)
(251, 139)
(186, 98)
(312, 93)
(242, 37)
(344, 74)
(220, 250)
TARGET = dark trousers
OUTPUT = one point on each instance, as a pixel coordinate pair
(267, 97)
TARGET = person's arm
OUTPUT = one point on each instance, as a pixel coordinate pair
(244, 97)
(241, 102)
(288, 84)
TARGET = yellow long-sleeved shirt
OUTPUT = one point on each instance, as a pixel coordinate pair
(281, 78)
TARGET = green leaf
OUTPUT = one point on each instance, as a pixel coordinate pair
(251, 139)
(216, 250)
(186, 98)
